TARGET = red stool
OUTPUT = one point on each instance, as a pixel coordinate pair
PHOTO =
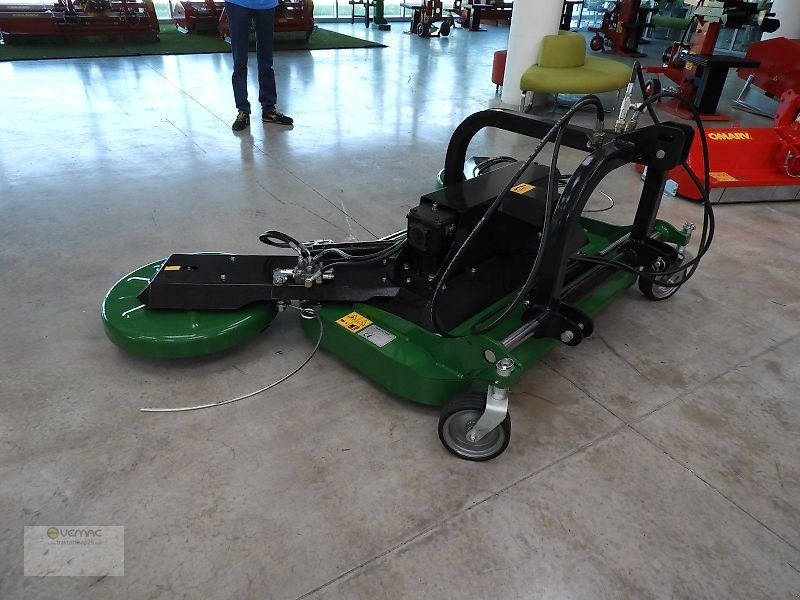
(499, 69)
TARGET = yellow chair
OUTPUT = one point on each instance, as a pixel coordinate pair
(564, 68)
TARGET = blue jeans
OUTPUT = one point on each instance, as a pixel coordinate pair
(263, 21)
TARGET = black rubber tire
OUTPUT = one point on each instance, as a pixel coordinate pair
(444, 29)
(458, 416)
(420, 29)
(652, 87)
(657, 293)
(597, 43)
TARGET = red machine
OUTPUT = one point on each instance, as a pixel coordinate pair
(749, 164)
(622, 28)
(779, 72)
(192, 15)
(294, 21)
(699, 73)
(425, 18)
(79, 19)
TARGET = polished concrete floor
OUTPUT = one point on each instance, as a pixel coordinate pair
(660, 459)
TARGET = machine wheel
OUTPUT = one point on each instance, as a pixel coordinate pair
(653, 291)
(421, 29)
(458, 416)
(597, 43)
(665, 58)
(444, 30)
(652, 87)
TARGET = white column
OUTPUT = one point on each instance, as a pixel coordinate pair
(789, 14)
(531, 21)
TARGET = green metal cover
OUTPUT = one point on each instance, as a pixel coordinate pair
(424, 367)
(175, 333)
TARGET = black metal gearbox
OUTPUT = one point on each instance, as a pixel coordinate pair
(431, 228)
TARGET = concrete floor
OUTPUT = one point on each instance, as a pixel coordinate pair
(660, 459)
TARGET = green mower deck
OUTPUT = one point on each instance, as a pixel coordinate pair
(175, 333)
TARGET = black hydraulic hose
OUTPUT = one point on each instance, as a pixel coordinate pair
(282, 240)
(347, 257)
(637, 73)
(361, 260)
(557, 129)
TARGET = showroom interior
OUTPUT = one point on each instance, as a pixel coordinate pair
(232, 365)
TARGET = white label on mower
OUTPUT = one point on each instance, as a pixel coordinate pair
(376, 335)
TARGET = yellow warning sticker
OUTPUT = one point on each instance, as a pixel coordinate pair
(722, 176)
(522, 188)
(354, 322)
(172, 268)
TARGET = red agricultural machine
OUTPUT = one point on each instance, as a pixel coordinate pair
(751, 164)
(193, 15)
(691, 63)
(294, 21)
(622, 28)
(79, 19)
(778, 73)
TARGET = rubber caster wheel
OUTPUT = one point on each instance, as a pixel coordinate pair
(444, 30)
(653, 291)
(597, 43)
(458, 416)
(421, 30)
(652, 87)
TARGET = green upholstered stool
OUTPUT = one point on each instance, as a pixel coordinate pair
(564, 68)
(670, 22)
(674, 26)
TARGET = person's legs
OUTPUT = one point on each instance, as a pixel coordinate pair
(239, 19)
(265, 26)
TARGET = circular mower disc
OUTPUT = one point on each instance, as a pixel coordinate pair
(175, 333)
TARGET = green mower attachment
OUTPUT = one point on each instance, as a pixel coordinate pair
(490, 273)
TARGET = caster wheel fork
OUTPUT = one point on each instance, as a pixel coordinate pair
(458, 419)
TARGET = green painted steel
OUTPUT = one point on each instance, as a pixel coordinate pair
(416, 364)
(175, 333)
(424, 367)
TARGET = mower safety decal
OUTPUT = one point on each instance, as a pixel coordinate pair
(376, 335)
(522, 188)
(172, 268)
(354, 322)
(722, 176)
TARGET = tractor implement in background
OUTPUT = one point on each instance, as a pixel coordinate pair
(79, 20)
(294, 22)
(748, 164)
(691, 63)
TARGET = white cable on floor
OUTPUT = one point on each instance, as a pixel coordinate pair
(307, 314)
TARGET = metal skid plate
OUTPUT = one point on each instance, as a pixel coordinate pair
(230, 282)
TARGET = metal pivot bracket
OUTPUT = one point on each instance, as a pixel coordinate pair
(496, 404)
(564, 322)
(654, 254)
